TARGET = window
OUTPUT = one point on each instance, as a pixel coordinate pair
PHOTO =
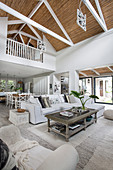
(103, 89)
(7, 85)
(85, 85)
(2, 85)
(10, 85)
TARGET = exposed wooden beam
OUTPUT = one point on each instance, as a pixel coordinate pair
(96, 72)
(83, 74)
(94, 13)
(33, 23)
(12, 32)
(23, 33)
(57, 20)
(21, 38)
(110, 68)
(34, 31)
(28, 35)
(13, 22)
(100, 11)
(30, 15)
(29, 41)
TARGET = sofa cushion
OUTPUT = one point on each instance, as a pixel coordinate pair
(41, 102)
(46, 101)
(61, 96)
(95, 106)
(54, 99)
(32, 100)
(7, 159)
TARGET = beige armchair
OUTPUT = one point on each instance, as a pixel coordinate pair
(30, 155)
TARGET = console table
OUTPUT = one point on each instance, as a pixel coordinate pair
(67, 121)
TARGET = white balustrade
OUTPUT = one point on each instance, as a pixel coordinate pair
(18, 49)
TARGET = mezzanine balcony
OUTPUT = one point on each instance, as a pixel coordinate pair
(14, 48)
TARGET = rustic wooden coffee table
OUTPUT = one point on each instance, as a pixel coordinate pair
(67, 121)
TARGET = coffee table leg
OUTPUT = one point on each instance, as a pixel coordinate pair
(95, 117)
(67, 133)
(84, 124)
(48, 125)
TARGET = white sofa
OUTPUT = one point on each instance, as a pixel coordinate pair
(37, 113)
(30, 155)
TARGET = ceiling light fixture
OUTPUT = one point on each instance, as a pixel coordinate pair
(81, 18)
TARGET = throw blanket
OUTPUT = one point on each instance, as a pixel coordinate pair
(21, 150)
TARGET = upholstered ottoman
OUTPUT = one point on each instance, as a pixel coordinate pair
(108, 114)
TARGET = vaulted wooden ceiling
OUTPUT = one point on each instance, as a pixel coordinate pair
(66, 12)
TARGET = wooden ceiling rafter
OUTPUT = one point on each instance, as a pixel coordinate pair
(95, 72)
(34, 31)
(57, 20)
(30, 16)
(33, 23)
(23, 33)
(13, 22)
(29, 41)
(100, 12)
(21, 38)
(83, 74)
(95, 14)
(101, 71)
(110, 68)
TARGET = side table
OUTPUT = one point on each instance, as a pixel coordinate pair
(18, 118)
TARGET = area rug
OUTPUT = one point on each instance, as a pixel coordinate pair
(95, 145)
(57, 140)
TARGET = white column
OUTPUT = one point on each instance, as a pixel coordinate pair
(3, 34)
(73, 80)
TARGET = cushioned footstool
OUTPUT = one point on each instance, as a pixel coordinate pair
(108, 114)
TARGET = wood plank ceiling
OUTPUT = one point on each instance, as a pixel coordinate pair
(66, 13)
(102, 71)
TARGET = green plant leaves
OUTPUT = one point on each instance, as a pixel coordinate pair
(94, 97)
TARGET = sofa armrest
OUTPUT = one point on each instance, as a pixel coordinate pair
(63, 158)
(35, 111)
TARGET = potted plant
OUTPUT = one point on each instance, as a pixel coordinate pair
(81, 97)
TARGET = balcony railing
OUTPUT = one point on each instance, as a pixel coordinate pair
(15, 48)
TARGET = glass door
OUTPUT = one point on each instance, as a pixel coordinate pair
(103, 89)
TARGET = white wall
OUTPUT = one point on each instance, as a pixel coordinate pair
(49, 48)
(93, 52)
(41, 85)
(3, 34)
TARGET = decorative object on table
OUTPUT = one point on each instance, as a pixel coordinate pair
(66, 113)
(21, 110)
(81, 97)
(89, 118)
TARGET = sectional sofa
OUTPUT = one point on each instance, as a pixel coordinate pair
(37, 113)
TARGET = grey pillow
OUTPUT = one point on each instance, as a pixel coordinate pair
(46, 101)
(7, 159)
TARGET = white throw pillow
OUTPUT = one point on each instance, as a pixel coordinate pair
(33, 100)
(61, 96)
